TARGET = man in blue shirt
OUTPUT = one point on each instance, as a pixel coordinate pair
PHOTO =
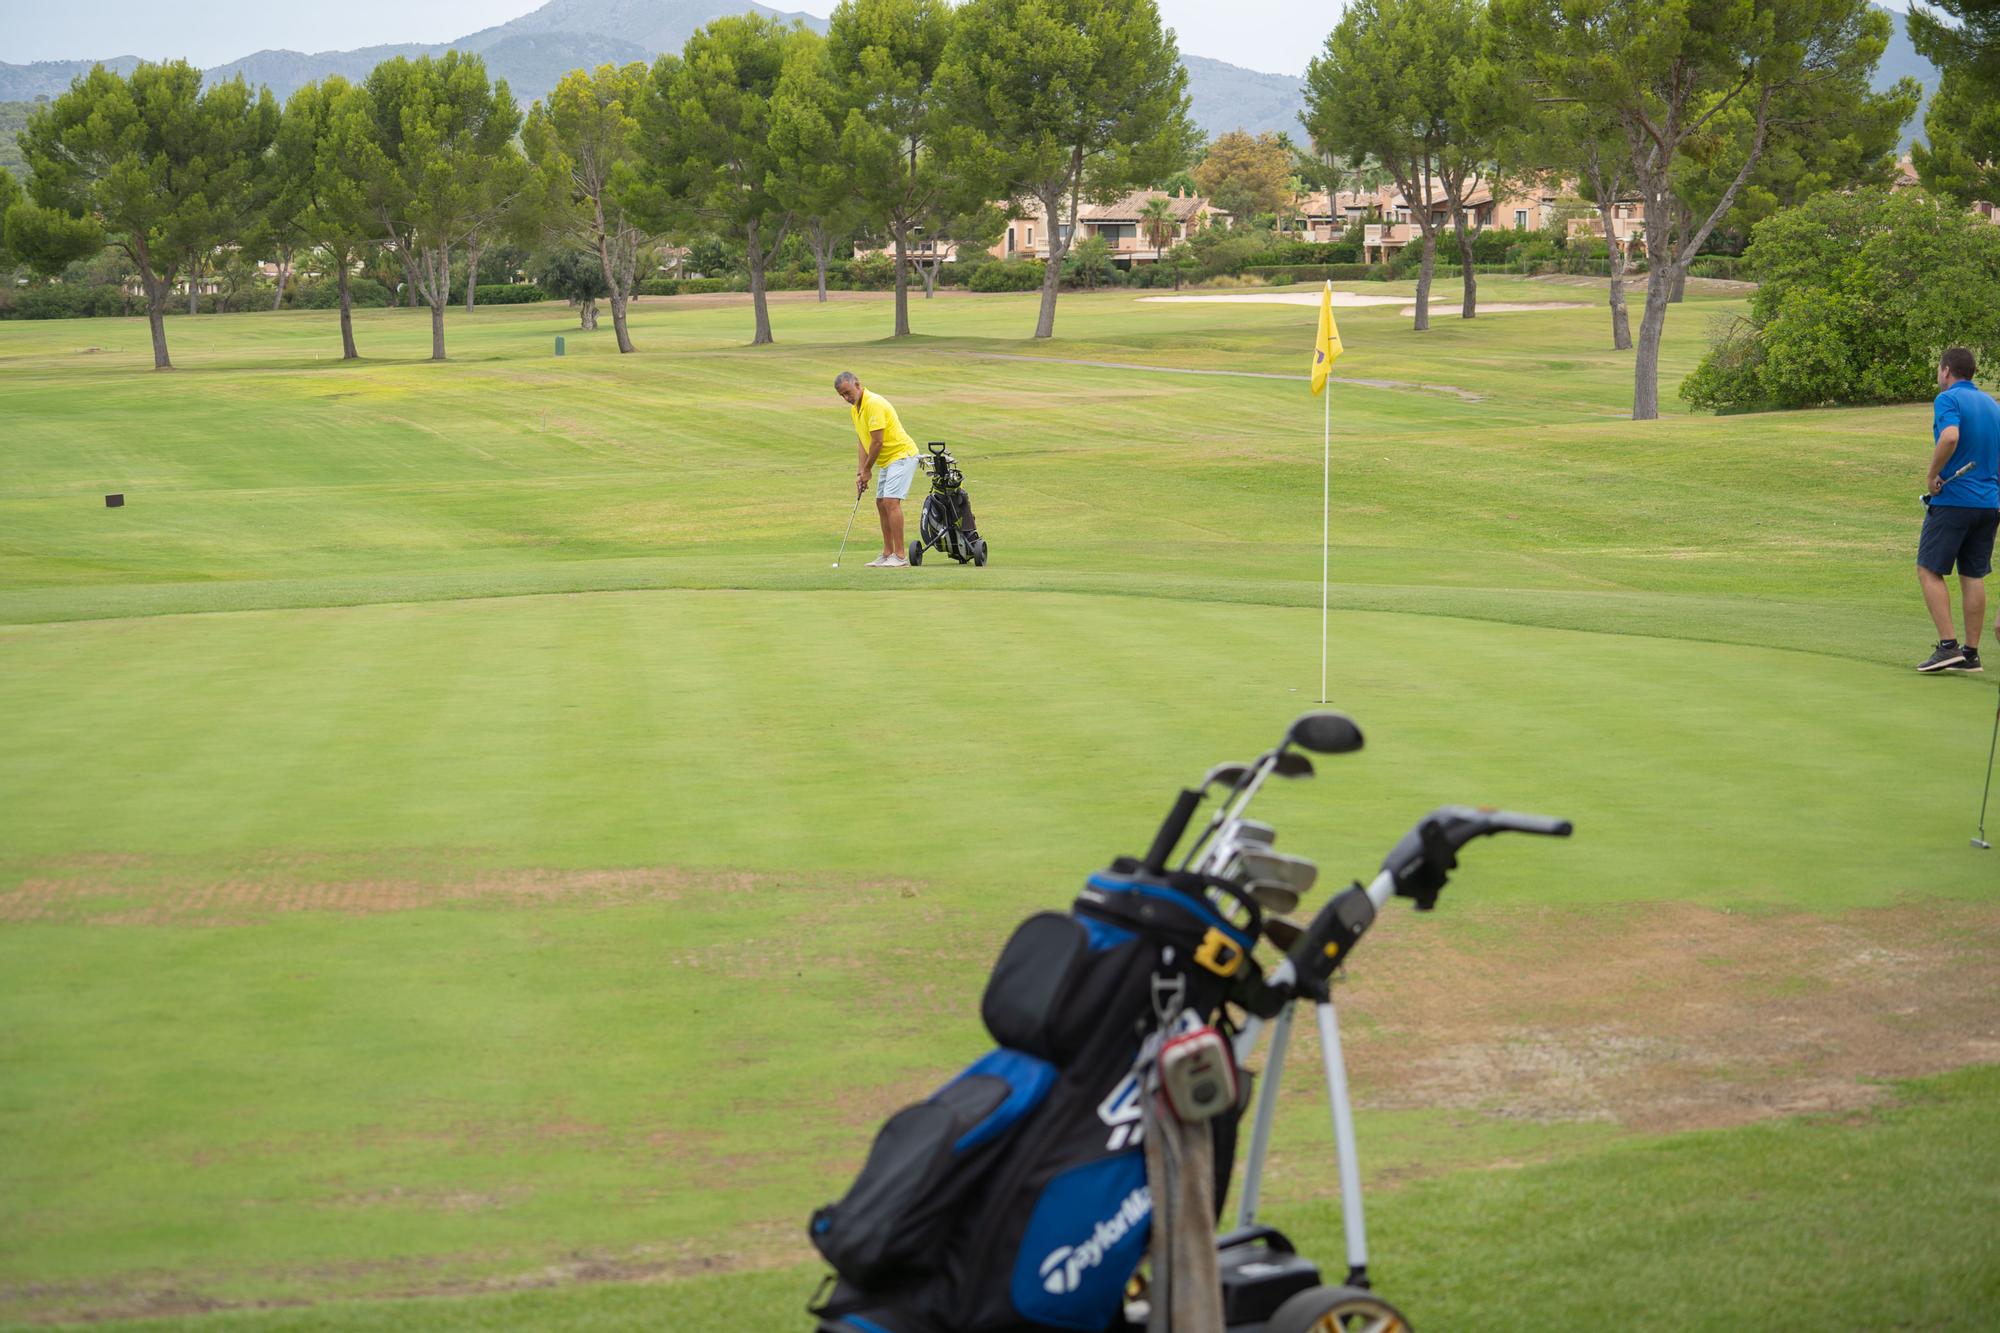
(1963, 495)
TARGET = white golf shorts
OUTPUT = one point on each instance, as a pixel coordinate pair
(892, 482)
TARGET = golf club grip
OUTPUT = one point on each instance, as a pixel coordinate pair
(1542, 824)
(1170, 831)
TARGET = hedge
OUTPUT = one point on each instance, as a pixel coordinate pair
(1715, 266)
(1014, 275)
(63, 300)
(1280, 274)
(691, 286)
(324, 294)
(508, 293)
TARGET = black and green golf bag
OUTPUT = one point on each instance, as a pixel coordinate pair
(946, 523)
(1015, 1197)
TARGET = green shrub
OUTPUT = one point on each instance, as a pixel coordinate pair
(70, 300)
(1715, 266)
(324, 294)
(1858, 295)
(1013, 275)
(508, 293)
(872, 273)
(699, 286)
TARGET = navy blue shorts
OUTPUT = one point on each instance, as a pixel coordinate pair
(1956, 535)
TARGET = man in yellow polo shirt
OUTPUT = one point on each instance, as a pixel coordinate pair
(884, 444)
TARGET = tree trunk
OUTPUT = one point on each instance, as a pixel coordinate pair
(822, 247)
(284, 271)
(760, 308)
(1621, 325)
(156, 309)
(472, 275)
(410, 277)
(927, 269)
(902, 282)
(587, 320)
(1646, 372)
(1470, 308)
(1683, 226)
(1045, 322)
(439, 294)
(1422, 323)
(347, 352)
(617, 278)
(194, 286)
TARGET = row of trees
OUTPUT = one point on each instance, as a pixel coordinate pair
(1695, 109)
(911, 117)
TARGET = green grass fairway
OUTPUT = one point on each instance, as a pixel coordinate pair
(461, 843)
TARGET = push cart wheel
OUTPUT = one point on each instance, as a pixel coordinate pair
(916, 553)
(1337, 1310)
(979, 553)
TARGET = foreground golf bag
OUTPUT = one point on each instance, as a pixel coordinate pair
(946, 523)
(1016, 1198)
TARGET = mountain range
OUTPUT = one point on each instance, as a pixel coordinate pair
(535, 50)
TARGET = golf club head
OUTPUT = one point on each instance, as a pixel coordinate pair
(1294, 874)
(1273, 897)
(1982, 844)
(1283, 933)
(1238, 832)
(1292, 764)
(1229, 775)
(1325, 733)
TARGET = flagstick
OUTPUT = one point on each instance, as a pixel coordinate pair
(1325, 530)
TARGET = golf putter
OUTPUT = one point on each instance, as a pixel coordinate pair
(1948, 480)
(850, 528)
(1980, 840)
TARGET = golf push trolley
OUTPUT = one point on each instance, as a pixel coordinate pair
(946, 523)
(1018, 1197)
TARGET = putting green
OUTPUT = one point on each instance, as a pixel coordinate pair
(455, 827)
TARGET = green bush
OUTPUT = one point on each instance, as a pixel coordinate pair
(1279, 275)
(324, 294)
(67, 300)
(508, 293)
(1013, 275)
(1859, 294)
(872, 273)
(698, 286)
(1715, 266)
(1343, 251)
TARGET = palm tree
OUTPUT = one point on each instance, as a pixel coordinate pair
(1157, 217)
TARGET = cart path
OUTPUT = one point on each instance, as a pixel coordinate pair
(1393, 385)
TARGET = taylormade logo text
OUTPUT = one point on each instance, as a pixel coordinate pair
(1062, 1272)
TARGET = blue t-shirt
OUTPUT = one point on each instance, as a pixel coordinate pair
(1978, 420)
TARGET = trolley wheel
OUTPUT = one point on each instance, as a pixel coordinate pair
(1337, 1310)
(979, 553)
(917, 552)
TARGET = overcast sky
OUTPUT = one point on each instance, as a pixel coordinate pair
(1275, 35)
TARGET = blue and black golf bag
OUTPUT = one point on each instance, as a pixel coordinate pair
(1015, 1197)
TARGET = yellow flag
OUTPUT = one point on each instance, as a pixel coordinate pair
(1327, 346)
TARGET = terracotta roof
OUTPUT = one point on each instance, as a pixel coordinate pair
(1129, 208)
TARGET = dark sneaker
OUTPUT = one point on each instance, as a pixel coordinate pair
(1948, 654)
(1971, 662)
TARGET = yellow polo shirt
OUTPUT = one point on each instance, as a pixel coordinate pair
(873, 413)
